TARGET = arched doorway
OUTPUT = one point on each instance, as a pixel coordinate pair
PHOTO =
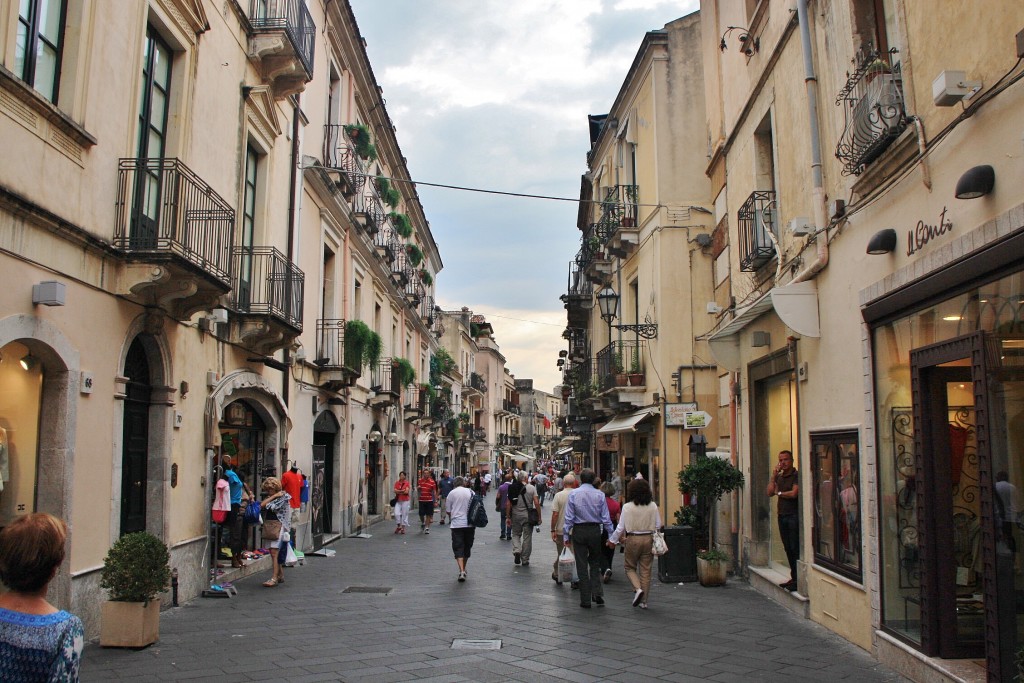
(321, 501)
(135, 439)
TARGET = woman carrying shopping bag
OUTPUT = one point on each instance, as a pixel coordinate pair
(637, 523)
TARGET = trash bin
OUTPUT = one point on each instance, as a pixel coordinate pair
(680, 562)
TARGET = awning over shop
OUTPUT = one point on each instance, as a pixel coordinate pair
(423, 440)
(627, 423)
(564, 451)
(796, 305)
(522, 457)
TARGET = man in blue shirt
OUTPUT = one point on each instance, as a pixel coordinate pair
(586, 514)
(445, 486)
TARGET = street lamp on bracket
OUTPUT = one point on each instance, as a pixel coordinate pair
(608, 302)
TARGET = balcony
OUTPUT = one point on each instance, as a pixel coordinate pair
(334, 373)
(386, 383)
(267, 299)
(578, 299)
(478, 383)
(479, 434)
(369, 211)
(176, 234)
(511, 407)
(416, 402)
(619, 219)
(428, 311)
(281, 42)
(386, 243)
(593, 255)
(340, 156)
(873, 105)
(755, 224)
(414, 289)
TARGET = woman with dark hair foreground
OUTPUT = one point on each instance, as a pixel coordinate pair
(38, 642)
(639, 519)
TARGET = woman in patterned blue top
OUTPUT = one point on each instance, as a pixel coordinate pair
(38, 642)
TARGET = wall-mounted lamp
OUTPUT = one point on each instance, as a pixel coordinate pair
(28, 361)
(374, 435)
(608, 302)
(976, 182)
(749, 46)
(882, 242)
(48, 293)
(392, 438)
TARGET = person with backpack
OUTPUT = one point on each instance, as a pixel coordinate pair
(462, 531)
(521, 497)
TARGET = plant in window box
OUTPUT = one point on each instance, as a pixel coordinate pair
(618, 370)
(135, 570)
(406, 373)
(363, 346)
(425, 277)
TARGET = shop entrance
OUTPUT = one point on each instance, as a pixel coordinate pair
(967, 395)
(372, 466)
(321, 500)
(135, 440)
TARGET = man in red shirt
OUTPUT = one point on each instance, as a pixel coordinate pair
(426, 487)
(291, 482)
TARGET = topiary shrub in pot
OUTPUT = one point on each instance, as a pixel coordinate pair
(135, 570)
(709, 478)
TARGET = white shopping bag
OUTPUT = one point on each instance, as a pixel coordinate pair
(567, 566)
(291, 559)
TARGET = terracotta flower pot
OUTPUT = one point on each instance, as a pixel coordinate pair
(636, 379)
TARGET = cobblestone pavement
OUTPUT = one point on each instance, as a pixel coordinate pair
(309, 629)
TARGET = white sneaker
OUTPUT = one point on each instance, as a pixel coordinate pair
(462, 576)
(638, 597)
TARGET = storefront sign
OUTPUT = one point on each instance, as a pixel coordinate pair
(924, 233)
(675, 413)
(697, 420)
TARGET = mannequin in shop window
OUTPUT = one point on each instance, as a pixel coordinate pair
(292, 483)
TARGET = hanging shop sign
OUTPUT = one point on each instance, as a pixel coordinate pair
(675, 413)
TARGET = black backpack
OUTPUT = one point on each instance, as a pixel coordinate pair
(477, 515)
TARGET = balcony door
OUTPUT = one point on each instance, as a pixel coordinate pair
(243, 293)
(154, 103)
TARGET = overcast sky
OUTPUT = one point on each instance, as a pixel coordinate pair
(495, 95)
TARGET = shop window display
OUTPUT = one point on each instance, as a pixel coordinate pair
(996, 309)
(21, 383)
(835, 466)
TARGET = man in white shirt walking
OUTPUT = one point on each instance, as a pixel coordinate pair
(462, 531)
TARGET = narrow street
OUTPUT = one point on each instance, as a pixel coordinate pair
(310, 629)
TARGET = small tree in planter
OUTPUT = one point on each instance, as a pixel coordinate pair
(135, 570)
(709, 478)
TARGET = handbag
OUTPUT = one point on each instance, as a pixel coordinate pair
(393, 501)
(271, 530)
(252, 513)
(532, 515)
(658, 545)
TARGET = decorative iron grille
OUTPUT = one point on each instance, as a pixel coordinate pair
(162, 207)
(755, 220)
(873, 105)
(385, 377)
(267, 283)
(291, 16)
(330, 343)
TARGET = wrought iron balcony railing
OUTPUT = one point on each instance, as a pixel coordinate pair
(478, 382)
(267, 283)
(387, 243)
(873, 105)
(617, 361)
(755, 220)
(291, 16)
(385, 377)
(330, 347)
(162, 207)
(619, 207)
(428, 311)
(339, 154)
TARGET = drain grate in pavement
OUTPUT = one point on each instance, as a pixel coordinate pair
(381, 590)
(469, 644)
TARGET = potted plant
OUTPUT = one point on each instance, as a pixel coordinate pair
(389, 194)
(425, 277)
(403, 226)
(709, 478)
(363, 346)
(406, 373)
(876, 68)
(636, 374)
(415, 254)
(360, 136)
(135, 570)
(618, 370)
